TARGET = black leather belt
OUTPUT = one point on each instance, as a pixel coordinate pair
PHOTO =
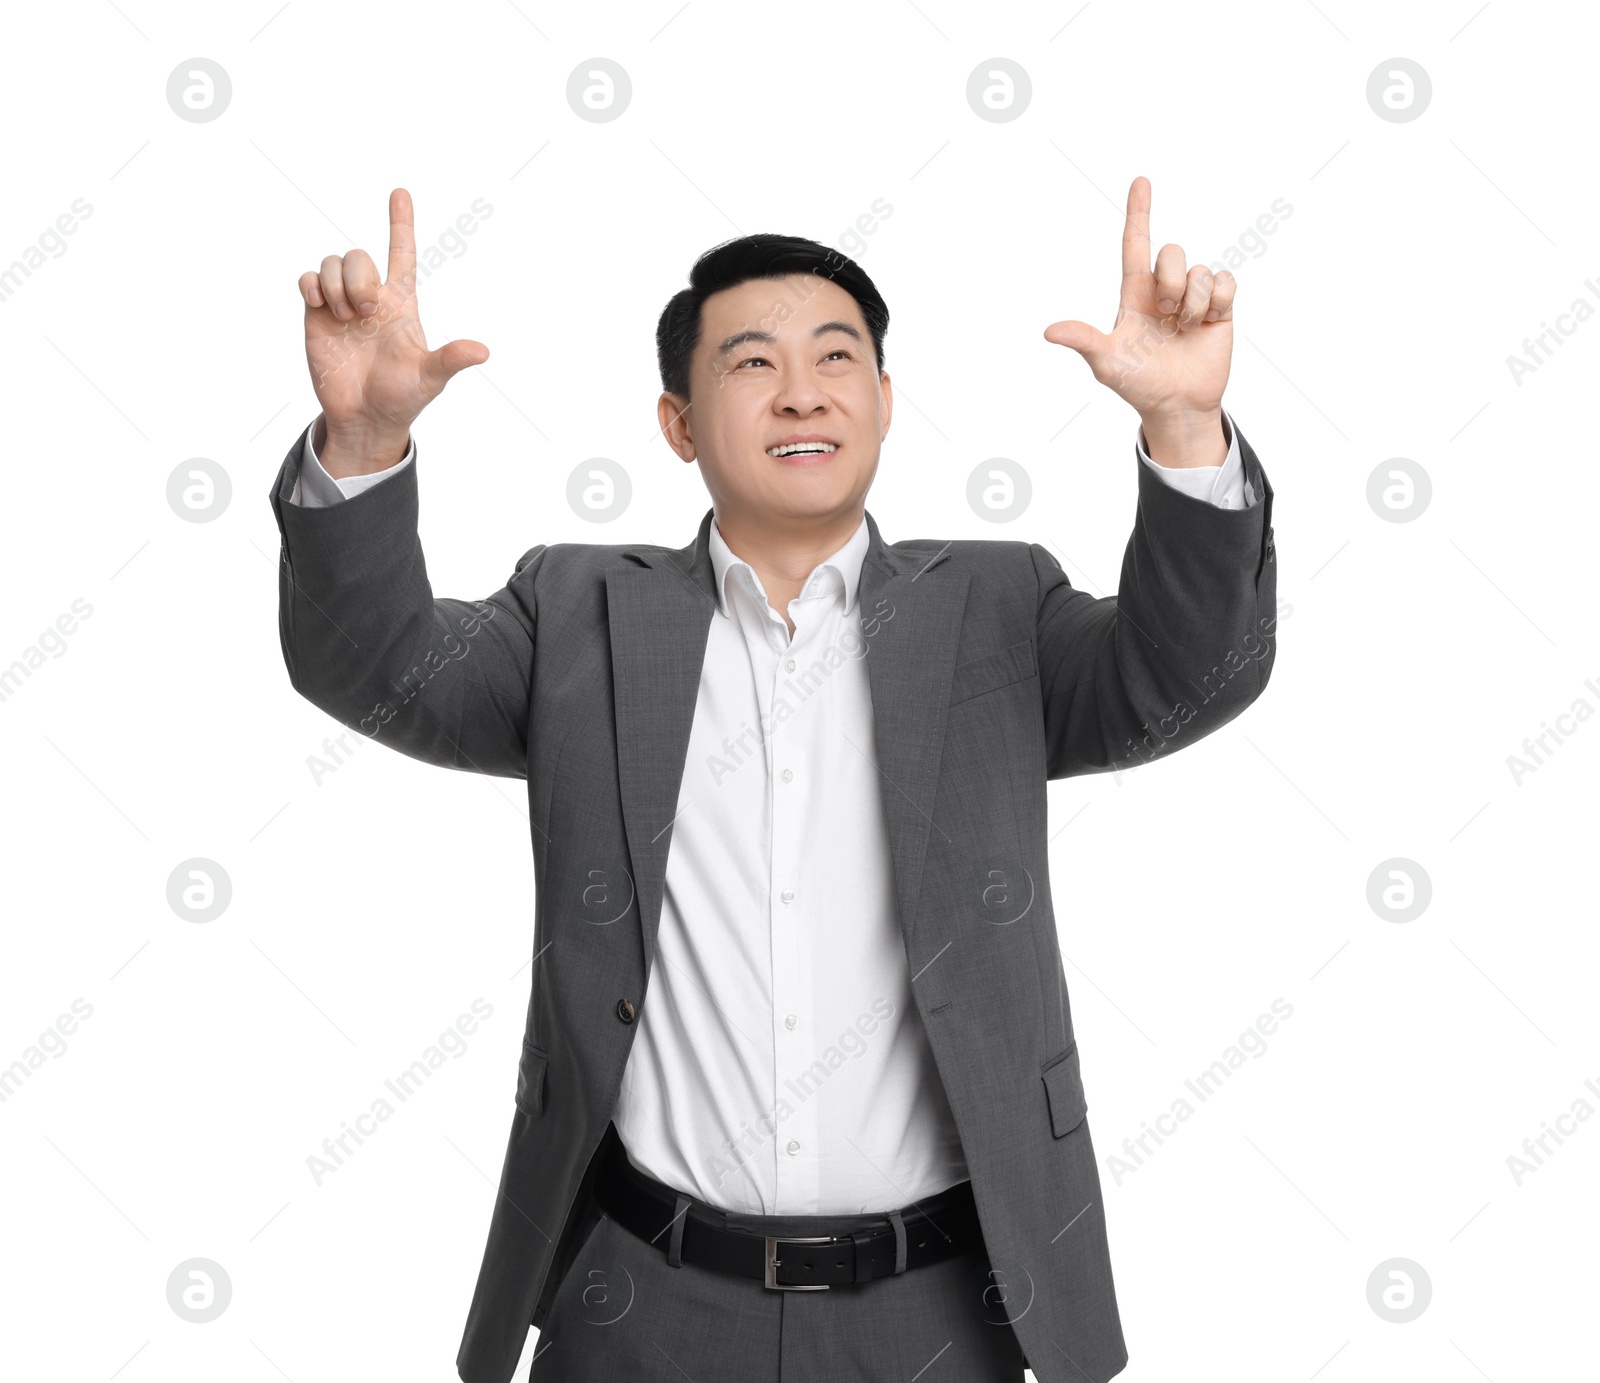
(874, 1246)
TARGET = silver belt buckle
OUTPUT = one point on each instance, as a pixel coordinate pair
(770, 1274)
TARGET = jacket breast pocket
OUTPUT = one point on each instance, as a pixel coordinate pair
(1063, 1083)
(530, 1079)
(993, 671)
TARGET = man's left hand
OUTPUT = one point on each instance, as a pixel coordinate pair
(1168, 352)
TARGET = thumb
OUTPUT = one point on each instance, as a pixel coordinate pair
(442, 365)
(1077, 336)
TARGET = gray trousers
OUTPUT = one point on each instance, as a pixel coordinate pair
(623, 1311)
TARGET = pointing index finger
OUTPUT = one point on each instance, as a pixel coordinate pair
(1136, 231)
(402, 237)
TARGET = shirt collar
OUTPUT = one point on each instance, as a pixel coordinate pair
(846, 562)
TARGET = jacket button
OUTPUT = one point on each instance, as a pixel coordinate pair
(625, 1010)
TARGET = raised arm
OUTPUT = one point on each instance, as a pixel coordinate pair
(363, 637)
(1189, 639)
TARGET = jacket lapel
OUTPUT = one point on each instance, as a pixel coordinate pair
(659, 613)
(911, 608)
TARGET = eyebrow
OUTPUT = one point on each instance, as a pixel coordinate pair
(740, 337)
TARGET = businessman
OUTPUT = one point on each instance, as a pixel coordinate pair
(799, 1096)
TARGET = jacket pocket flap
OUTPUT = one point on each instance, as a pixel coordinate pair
(1063, 1083)
(992, 671)
(530, 1079)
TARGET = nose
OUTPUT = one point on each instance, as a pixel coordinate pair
(800, 396)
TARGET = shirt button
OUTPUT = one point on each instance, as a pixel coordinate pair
(787, 895)
(788, 775)
(789, 665)
(790, 1021)
(793, 1148)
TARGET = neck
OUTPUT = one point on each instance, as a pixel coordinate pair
(784, 552)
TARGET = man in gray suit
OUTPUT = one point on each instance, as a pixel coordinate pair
(799, 1094)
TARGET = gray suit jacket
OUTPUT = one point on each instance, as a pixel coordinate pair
(990, 674)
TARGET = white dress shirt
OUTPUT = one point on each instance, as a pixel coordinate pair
(781, 1065)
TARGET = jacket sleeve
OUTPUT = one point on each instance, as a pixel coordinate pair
(1186, 644)
(363, 637)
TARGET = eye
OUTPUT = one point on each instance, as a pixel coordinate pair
(840, 351)
(750, 360)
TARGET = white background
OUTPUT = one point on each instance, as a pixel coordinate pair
(371, 908)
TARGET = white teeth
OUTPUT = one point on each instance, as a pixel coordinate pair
(794, 448)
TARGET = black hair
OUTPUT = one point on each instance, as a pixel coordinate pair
(756, 257)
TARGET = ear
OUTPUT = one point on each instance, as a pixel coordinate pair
(672, 413)
(886, 394)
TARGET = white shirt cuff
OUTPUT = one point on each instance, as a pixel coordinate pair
(1225, 486)
(314, 488)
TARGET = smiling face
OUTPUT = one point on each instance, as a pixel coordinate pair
(787, 406)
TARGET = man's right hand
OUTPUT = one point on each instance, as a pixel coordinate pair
(370, 365)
